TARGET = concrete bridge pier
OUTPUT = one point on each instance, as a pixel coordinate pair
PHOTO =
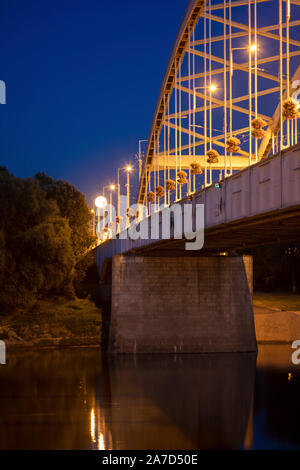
(181, 305)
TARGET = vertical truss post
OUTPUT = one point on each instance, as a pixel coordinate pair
(176, 127)
(255, 72)
(168, 172)
(180, 124)
(225, 89)
(288, 15)
(189, 108)
(194, 71)
(280, 74)
(250, 81)
(210, 95)
(230, 79)
(165, 158)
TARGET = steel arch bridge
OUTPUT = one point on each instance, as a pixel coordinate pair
(227, 101)
(228, 96)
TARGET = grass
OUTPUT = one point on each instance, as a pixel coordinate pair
(54, 323)
(60, 323)
(277, 301)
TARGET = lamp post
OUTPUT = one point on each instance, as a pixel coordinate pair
(111, 187)
(251, 48)
(211, 88)
(100, 203)
(140, 157)
(118, 201)
(93, 220)
(128, 170)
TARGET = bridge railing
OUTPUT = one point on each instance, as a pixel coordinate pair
(266, 187)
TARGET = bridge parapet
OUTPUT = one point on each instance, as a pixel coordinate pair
(267, 190)
(270, 185)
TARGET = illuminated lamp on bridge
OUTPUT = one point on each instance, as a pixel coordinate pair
(101, 202)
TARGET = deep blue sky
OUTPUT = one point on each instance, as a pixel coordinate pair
(82, 81)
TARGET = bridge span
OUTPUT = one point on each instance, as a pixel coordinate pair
(257, 206)
(158, 285)
(223, 144)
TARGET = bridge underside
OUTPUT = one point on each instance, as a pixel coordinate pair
(281, 226)
(166, 298)
(163, 298)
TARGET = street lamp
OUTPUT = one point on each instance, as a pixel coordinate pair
(211, 88)
(140, 157)
(253, 48)
(101, 202)
(128, 170)
(93, 220)
(111, 187)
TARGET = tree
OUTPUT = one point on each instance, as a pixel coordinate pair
(73, 207)
(40, 243)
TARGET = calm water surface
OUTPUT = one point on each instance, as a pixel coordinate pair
(74, 399)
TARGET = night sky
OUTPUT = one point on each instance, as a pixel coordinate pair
(82, 80)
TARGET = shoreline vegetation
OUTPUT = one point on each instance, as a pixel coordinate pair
(53, 323)
(60, 323)
(47, 271)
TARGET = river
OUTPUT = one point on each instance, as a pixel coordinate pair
(77, 399)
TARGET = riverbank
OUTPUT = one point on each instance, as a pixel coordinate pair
(277, 317)
(78, 322)
(56, 323)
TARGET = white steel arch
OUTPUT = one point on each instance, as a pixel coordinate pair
(226, 99)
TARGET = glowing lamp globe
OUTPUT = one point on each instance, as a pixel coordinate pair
(100, 202)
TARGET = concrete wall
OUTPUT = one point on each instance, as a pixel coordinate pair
(184, 304)
(277, 327)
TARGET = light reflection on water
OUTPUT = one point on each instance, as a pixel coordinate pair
(74, 399)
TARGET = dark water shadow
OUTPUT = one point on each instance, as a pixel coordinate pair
(180, 402)
(73, 399)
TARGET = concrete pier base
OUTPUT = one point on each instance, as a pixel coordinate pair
(181, 305)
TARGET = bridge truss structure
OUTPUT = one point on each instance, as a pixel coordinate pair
(228, 96)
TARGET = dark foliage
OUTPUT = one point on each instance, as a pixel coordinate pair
(45, 233)
(277, 267)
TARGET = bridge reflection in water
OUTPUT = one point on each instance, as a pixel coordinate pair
(73, 399)
(181, 402)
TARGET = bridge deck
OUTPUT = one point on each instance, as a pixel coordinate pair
(256, 206)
